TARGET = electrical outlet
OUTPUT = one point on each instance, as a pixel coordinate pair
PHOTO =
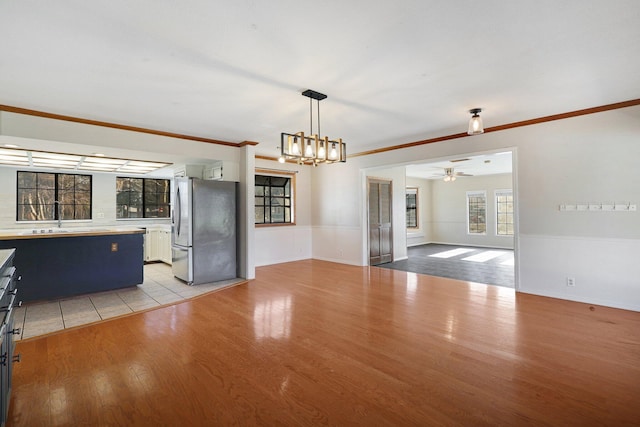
(633, 208)
(571, 281)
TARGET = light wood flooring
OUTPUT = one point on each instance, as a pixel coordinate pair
(316, 343)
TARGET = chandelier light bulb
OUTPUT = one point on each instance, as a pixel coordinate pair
(308, 152)
(321, 151)
(295, 149)
(333, 153)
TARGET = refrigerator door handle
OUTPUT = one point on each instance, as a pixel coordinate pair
(179, 210)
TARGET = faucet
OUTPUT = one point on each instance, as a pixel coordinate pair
(57, 204)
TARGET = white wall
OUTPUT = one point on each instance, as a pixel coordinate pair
(337, 192)
(449, 207)
(590, 158)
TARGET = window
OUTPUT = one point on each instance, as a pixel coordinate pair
(504, 213)
(476, 212)
(412, 207)
(39, 192)
(142, 198)
(274, 199)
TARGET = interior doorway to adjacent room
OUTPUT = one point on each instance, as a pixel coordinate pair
(466, 218)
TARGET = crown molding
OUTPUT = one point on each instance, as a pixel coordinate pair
(35, 113)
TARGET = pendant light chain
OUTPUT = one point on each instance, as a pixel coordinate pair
(310, 116)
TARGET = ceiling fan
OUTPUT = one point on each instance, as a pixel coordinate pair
(450, 174)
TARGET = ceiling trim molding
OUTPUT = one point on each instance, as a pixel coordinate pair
(513, 125)
(46, 115)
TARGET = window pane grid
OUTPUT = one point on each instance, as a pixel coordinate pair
(142, 198)
(38, 193)
(477, 223)
(504, 216)
(412, 210)
(273, 200)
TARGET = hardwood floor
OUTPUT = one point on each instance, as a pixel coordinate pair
(316, 343)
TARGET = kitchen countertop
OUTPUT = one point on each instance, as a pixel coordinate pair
(48, 233)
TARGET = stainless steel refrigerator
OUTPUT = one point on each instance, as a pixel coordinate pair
(203, 232)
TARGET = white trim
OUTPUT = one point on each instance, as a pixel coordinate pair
(585, 300)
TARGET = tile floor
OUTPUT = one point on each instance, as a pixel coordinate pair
(159, 288)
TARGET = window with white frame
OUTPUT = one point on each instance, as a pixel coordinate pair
(476, 212)
(504, 213)
(412, 207)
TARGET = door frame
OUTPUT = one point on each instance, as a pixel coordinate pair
(370, 179)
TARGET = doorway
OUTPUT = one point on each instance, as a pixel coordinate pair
(469, 205)
(380, 221)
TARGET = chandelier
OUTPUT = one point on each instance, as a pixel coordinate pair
(311, 149)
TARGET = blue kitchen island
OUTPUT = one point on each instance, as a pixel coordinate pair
(58, 263)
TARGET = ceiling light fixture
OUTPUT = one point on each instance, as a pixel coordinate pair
(312, 149)
(475, 124)
(449, 175)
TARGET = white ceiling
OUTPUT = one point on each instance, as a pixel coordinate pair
(394, 71)
(483, 164)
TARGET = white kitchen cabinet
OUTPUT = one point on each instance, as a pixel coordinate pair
(164, 246)
(157, 245)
